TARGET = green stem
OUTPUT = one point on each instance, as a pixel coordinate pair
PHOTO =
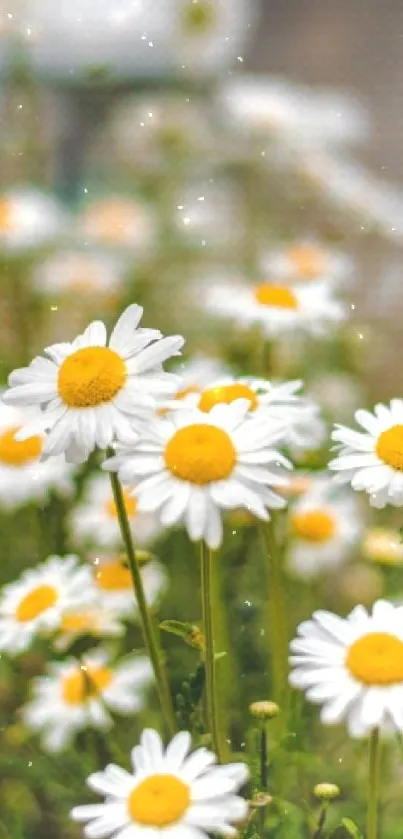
(278, 617)
(373, 784)
(211, 694)
(263, 773)
(145, 617)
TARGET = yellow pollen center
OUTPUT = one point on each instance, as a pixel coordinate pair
(226, 393)
(313, 526)
(307, 261)
(113, 576)
(159, 800)
(129, 502)
(389, 447)
(18, 452)
(198, 17)
(200, 454)
(279, 296)
(186, 390)
(90, 377)
(37, 601)
(78, 622)
(82, 685)
(376, 659)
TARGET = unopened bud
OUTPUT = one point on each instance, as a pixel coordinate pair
(325, 792)
(264, 709)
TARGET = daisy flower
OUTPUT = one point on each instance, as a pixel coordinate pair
(95, 519)
(92, 392)
(383, 545)
(24, 477)
(114, 585)
(277, 307)
(169, 793)
(37, 602)
(353, 666)
(307, 261)
(118, 221)
(191, 465)
(79, 271)
(98, 620)
(29, 219)
(279, 402)
(324, 525)
(372, 459)
(77, 694)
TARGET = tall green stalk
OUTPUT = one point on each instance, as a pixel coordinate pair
(211, 688)
(277, 617)
(145, 617)
(373, 784)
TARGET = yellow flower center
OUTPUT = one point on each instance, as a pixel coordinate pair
(18, 452)
(129, 502)
(226, 393)
(113, 576)
(200, 454)
(159, 800)
(382, 545)
(308, 261)
(198, 16)
(35, 602)
(78, 622)
(85, 684)
(186, 390)
(389, 447)
(90, 377)
(376, 659)
(279, 296)
(5, 215)
(313, 526)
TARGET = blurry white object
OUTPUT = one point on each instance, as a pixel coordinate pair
(307, 117)
(82, 271)
(209, 213)
(117, 221)
(29, 218)
(307, 260)
(75, 39)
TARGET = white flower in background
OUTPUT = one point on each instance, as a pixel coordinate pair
(94, 521)
(169, 794)
(293, 114)
(29, 219)
(307, 260)
(372, 460)
(84, 272)
(279, 402)
(118, 221)
(97, 620)
(324, 525)
(82, 39)
(353, 666)
(208, 213)
(195, 375)
(148, 131)
(75, 695)
(383, 545)
(276, 307)
(114, 585)
(192, 465)
(92, 392)
(24, 477)
(36, 603)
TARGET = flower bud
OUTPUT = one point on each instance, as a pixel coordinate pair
(325, 792)
(264, 709)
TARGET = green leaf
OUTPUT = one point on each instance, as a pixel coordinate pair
(189, 632)
(347, 830)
